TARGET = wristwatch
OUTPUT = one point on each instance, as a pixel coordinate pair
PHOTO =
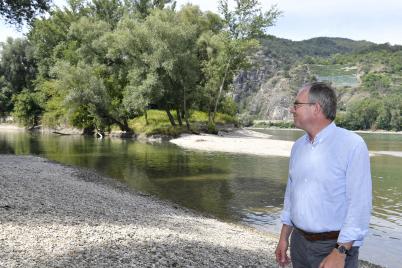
(341, 249)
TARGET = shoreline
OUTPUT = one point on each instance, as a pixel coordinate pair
(356, 131)
(247, 141)
(239, 141)
(52, 215)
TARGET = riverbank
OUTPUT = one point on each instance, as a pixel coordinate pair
(53, 215)
(239, 141)
(57, 216)
(246, 141)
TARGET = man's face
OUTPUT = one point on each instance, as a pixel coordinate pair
(302, 110)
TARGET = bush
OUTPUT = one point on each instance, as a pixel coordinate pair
(383, 113)
(363, 114)
(246, 120)
(26, 108)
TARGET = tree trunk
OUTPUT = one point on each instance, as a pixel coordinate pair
(171, 118)
(179, 116)
(186, 117)
(220, 91)
(146, 117)
(88, 131)
(122, 125)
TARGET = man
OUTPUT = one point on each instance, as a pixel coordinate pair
(328, 196)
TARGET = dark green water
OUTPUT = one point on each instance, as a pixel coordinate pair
(232, 187)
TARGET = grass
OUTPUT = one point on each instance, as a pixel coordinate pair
(158, 123)
(278, 124)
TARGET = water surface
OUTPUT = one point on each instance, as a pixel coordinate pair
(233, 187)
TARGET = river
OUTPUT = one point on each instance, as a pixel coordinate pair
(233, 187)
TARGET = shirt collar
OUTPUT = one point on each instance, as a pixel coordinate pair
(323, 134)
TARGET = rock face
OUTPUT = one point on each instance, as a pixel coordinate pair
(282, 66)
(267, 92)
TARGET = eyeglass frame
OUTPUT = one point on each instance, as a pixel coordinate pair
(298, 104)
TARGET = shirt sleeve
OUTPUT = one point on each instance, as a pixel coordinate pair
(285, 216)
(358, 195)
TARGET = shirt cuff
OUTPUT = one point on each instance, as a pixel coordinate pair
(285, 218)
(352, 234)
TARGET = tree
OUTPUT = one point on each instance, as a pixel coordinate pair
(20, 11)
(229, 50)
(376, 82)
(84, 95)
(363, 114)
(161, 59)
(17, 71)
(17, 63)
(26, 108)
(143, 8)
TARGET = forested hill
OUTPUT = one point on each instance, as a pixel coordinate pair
(289, 51)
(367, 77)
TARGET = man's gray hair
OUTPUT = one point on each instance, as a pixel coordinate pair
(324, 95)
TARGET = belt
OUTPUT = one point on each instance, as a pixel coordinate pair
(318, 236)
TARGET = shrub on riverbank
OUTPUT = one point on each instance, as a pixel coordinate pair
(278, 124)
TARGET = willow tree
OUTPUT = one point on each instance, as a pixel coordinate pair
(161, 59)
(229, 50)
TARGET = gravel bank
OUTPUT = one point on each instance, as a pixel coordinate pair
(241, 141)
(57, 216)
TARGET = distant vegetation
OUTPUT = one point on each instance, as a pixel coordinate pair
(367, 77)
(100, 65)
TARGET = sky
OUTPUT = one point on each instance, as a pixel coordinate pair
(371, 20)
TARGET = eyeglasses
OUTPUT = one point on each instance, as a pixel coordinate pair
(298, 104)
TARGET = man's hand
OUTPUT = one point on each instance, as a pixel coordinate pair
(334, 260)
(281, 256)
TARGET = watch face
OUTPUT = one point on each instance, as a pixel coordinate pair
(342, 249)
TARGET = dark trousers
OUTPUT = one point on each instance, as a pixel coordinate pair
(309, 254)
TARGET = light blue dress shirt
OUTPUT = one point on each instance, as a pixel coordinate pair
(329, 185)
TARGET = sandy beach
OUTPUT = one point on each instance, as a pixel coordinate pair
(246, 141)
(240, 141)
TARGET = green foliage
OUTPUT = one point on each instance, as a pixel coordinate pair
(246, 120)
(6, 94)
(23, 11)
(390, 114)
(158, 123)
(228, 106)
(17, 65)
(363, 114)
(85, 95)
(97, 64)
(376, 82)
(227, 51)
(275, 124)
(27, 108)
(384, 113)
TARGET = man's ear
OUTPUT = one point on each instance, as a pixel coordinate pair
(317, 109)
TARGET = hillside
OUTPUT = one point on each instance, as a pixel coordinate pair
(357, 69)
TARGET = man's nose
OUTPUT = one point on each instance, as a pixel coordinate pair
(292, 109)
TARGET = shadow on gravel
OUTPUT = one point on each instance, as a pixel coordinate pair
(177, 253)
